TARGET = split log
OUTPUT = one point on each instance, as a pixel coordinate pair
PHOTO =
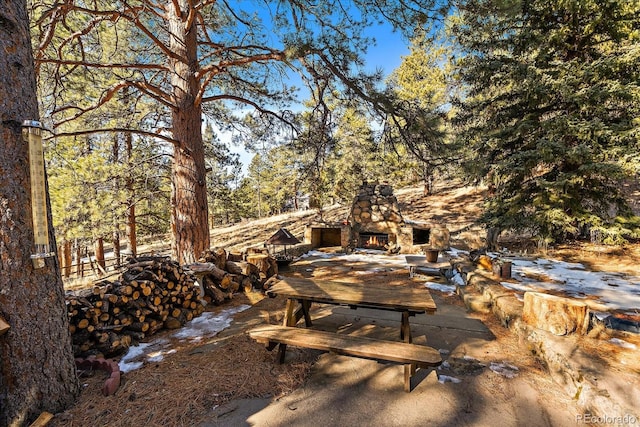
(233, 267)
(249, 269)
(270, 282)
(215, 295)
(257, 251)
(209, 269)
(107, 316)
(261, 261)
(234, 286)
(247, 284)
(173, 323)
(235, 256)
(221, 258)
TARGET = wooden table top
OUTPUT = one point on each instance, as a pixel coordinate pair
(370, 295)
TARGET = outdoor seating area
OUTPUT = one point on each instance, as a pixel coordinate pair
(301, 293)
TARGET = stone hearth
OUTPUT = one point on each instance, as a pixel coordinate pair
(375, 213)
(375, 210)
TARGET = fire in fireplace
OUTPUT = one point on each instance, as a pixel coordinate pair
(373, 240)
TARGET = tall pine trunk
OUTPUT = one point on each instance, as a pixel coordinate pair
(189, 219)
(132, 243)
(37, 366)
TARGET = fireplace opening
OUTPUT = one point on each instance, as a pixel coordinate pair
(373, 240)
(421, 236)
(325, 237)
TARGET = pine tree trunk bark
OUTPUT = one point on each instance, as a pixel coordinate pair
(132, 243)
(99, 250)
(115, 235)
(189, 219)
(38, 370)
(66, 250)
(79, 266)
(116, 245)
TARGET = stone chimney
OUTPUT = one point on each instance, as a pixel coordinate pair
(375, 210)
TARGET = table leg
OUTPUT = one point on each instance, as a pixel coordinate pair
(289, 320)
(405, 328)
(305, 306)
(405, 335)
(291, 317)
(289, 313)
(282, 350)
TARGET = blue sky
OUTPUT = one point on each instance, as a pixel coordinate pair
(389, 49)
(386, 54)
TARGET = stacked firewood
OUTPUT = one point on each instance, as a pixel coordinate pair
(221, 274)
(151, 294)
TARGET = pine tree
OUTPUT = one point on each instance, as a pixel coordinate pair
(355, 157)
(210, 58)
(38, 369)
(551, 112)
(419, 119)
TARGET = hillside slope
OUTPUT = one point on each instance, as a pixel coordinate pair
(454, 206)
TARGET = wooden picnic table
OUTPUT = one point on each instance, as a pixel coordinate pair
(301, 293)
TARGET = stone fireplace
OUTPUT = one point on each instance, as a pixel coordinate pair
(374, 222)
(375, 218)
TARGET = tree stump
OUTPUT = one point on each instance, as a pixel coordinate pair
(558, 315)
(266, 265)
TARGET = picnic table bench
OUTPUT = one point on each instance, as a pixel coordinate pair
(300, 293)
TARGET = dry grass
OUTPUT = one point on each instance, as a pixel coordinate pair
(183, 388)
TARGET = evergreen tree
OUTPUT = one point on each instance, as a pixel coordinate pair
(223, 169)
(38, 370)
(95, 174)
(313, 146)
(280, 180)
(551, 112)
(418, 121)
(355, 157)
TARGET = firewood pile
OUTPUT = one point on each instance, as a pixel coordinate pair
(155, 293)
(221, 274)
(151, 294)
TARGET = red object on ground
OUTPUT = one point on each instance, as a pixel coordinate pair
(113, 382)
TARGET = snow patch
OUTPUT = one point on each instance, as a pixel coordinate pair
(205, 326)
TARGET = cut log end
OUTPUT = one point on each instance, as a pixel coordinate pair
(558, 315)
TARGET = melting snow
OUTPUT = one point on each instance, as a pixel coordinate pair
(504, 369)
(205, 326)
(208, 324)
(447, 289)
(623, 343)
(447, 379)
(614, 290)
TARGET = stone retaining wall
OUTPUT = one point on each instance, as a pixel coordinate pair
(585, 367)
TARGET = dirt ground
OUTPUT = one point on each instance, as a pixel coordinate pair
(232, 380)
